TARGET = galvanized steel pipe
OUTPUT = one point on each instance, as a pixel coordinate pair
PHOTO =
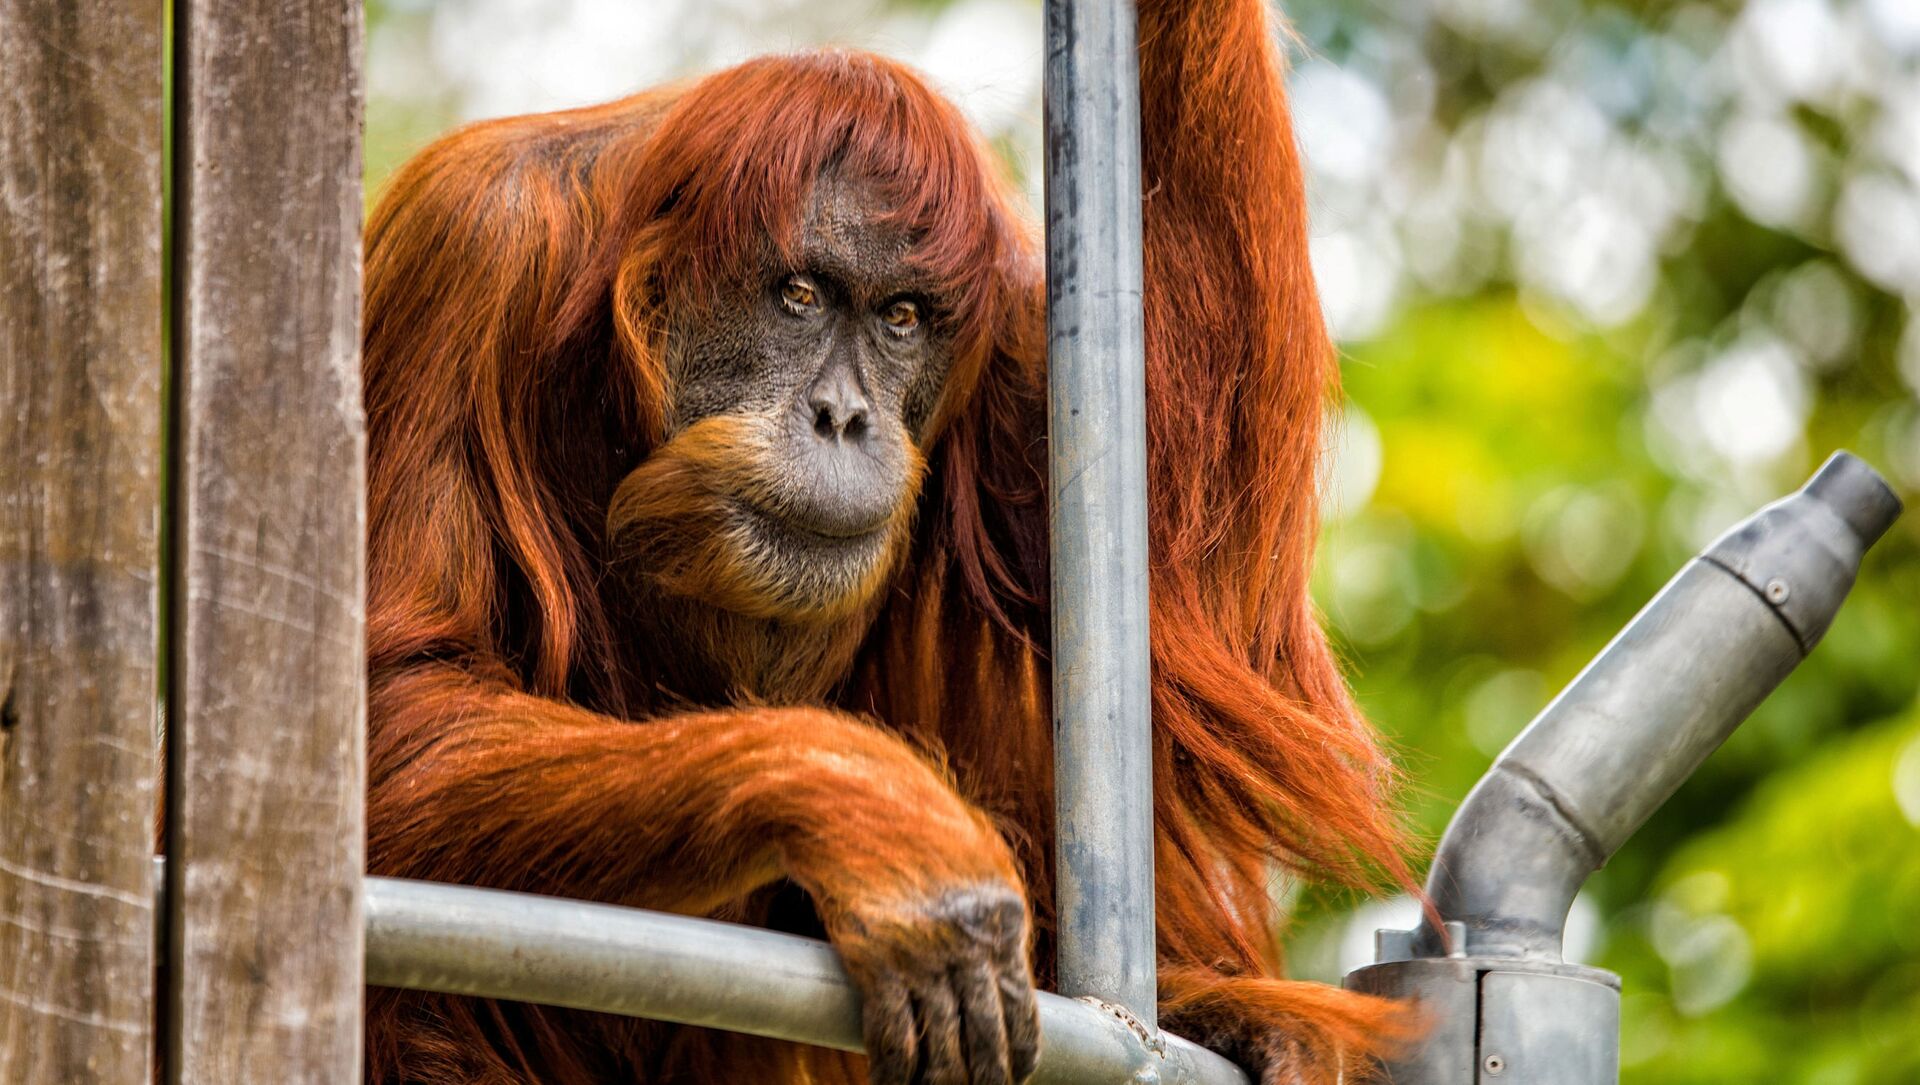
(1651, 706)
(1103, 758)
(699, 972)
(1590, 769)
(432, 937)
(458, 939)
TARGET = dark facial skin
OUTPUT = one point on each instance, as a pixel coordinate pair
(837, 358)
(841, 350)
(796, 398)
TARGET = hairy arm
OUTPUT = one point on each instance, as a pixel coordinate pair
(472, 781)
(1281, 767)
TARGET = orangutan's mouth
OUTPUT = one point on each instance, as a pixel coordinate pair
(784, 528)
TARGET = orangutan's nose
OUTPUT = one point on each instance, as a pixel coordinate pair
(838, 404)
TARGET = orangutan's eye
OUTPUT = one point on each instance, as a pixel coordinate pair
(798, 294)
(902, 316)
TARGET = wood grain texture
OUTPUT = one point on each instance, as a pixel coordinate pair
(80, 326)
(265, 827)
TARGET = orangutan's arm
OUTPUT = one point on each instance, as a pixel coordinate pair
(471, 781)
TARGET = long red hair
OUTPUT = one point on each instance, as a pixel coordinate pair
(518, 273)
(518, 276)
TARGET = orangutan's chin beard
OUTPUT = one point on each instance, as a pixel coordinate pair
(801, 574)
(766, 610)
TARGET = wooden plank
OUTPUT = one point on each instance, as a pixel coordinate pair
(80, 326)
(265, 832)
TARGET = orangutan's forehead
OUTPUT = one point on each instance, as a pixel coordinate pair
(851, 233)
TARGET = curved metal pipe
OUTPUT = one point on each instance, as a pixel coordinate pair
(1619, 740)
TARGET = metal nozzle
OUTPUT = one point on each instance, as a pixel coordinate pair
(1857, 494)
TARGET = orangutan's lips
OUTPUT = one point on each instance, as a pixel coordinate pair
(778, 528)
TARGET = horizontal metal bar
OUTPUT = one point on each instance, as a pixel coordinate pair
(433, 937)
(457, 939)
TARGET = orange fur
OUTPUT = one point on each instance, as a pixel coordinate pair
(519, 276)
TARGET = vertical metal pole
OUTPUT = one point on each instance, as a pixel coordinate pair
(1103, 753)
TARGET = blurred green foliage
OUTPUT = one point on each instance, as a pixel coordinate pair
(1608, 277)
(1767, 920)
(1543, 469)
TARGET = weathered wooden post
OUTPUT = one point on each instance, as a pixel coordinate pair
(267, 702)
(80, 325)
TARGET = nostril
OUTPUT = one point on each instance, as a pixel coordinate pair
(835, 406)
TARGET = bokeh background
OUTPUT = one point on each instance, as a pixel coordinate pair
(1606, 277)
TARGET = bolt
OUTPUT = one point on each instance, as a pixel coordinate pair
(1495, 1065)
(1777, 591)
